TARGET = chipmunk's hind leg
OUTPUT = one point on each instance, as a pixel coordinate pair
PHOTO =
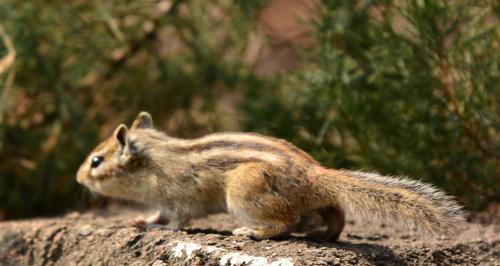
(334, 218)
(251, 198)
(323, 224)
(309, 223)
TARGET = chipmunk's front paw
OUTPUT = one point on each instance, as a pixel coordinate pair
(142, 221)
(244, 231)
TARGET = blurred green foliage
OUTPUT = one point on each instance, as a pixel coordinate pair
(399, 87)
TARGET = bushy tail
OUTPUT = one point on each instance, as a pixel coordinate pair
(419, 205)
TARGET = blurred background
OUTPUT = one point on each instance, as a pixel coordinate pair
(403, 87)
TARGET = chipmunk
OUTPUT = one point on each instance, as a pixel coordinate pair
(267, 182)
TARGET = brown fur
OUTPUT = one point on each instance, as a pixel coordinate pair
(267, 182)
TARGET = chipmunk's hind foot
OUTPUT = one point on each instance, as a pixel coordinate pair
(324, 224)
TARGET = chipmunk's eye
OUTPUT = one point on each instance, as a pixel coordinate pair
(96, 161)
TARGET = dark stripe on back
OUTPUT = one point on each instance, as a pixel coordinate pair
(227, 163)
(283, 142)
(224, 144)
(286, 151)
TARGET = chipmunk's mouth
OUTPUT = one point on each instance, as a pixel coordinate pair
(102, 178)
(94, 185)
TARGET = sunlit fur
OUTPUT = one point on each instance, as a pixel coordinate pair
(264, 181)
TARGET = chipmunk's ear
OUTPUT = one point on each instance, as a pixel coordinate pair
(120, 134)
(143, 120)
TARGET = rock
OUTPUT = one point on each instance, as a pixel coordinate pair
(103, 239)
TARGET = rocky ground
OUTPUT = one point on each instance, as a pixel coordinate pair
(105, 238)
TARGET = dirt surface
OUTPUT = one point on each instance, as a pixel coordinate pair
(104, 238)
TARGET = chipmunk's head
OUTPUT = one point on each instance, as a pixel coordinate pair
(112, 165)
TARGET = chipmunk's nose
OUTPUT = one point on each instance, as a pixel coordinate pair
(79, 179)
(80, 176)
